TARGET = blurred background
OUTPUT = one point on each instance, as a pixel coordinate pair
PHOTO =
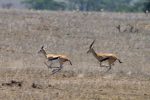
(81, 5)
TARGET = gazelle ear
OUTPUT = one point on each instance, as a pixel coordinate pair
(92, 44)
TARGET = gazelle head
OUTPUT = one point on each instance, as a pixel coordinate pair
(41, 50)
(90, 48)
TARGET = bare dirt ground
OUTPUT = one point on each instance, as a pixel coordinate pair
(30, 84)
(23, 75)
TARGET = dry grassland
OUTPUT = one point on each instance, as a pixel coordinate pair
(23, 75)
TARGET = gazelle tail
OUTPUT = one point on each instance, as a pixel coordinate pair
(119, 61)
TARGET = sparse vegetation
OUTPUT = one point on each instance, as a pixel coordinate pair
(23, 77)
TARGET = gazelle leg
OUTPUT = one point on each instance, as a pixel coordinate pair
(57, 70)
(102, 65)
(108, 69)
(101, 60)
(51, 60)
(54, 71)
(49, 66)
(61, 66)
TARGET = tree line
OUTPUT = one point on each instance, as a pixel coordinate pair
(90, 5)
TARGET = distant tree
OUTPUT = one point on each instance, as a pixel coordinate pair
(97, 5)
(141, 5)
(147, 5)
(91, 5)
(45, 4)
(138, 6)
(86, 5)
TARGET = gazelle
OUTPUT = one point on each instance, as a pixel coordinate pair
(51, 57)
(146, 12)
(119, 28)
(111, 58)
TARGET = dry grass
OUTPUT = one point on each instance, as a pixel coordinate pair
(22, 33)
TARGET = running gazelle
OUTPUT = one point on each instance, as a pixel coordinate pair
(51, 57)
(111, 58)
